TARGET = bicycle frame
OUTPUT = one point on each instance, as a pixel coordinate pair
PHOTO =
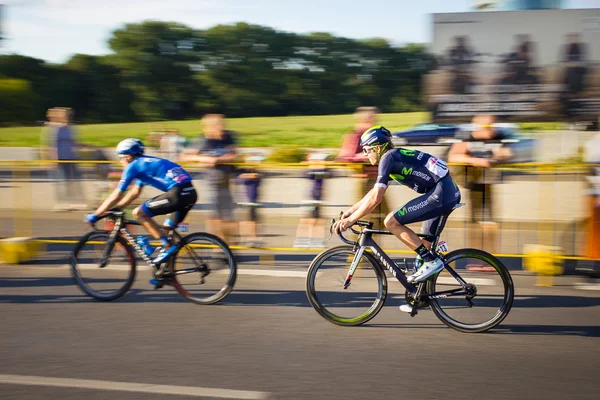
(120, 228)
(365, 241)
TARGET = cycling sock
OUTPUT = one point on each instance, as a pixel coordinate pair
(424, 253)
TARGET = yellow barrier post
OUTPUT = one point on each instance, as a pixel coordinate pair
(21, 247)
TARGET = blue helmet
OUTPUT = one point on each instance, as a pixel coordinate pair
(133, 147)
(376, 135)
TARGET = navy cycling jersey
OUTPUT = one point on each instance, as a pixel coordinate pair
(157, 172)
(415, 169)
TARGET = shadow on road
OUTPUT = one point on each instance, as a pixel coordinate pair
(294, 298)
(561, 330)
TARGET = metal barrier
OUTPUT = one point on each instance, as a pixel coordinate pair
(539, 210)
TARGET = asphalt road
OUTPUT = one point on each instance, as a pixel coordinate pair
(265, 341)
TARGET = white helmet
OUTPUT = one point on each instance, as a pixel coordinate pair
(134, 147)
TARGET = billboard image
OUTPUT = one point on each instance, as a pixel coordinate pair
(521, 66)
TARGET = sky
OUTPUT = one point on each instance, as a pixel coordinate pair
(54, 30)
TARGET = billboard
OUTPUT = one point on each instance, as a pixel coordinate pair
(541, 65)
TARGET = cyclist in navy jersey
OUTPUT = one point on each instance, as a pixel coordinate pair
(419, 171)
(178, 198)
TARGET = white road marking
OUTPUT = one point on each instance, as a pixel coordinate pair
(587, 286)
(194, 391)
(272, 272)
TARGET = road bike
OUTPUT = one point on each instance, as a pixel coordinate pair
(347, 285)
(103, 263)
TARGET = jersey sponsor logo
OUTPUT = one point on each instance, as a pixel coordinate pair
(422, 175)
(420, 155)
(402, 212)
(397, 177)
(409, 171)
(408, 153)
(158, 203)
(418, 206)
(177, 175)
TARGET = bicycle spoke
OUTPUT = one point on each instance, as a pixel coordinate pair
(198, 274)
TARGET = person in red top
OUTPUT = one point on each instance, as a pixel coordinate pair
(351, 152)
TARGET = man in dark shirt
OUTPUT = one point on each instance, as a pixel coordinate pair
(479, 149)
(217, 150)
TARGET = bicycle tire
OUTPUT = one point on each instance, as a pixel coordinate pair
(81, 281)
(317, 304)
(231, 263)
(504, 309)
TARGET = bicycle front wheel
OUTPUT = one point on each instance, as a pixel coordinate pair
(491, 286)
(204, 269)
(102, 271)
(356, 304)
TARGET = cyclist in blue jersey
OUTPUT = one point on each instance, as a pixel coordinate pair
(178, 198)
(421, 172)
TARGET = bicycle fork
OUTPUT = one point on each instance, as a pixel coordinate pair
(353, 266)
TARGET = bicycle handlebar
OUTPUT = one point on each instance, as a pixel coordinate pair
(114, 212)
(365, 224)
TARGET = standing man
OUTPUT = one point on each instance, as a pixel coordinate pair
(479, 154)
(216, 150)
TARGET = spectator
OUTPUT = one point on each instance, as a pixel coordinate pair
(250, 177)
(479, 154)
(311, 230)
(171, 144)
(63, 147)
(216, 151)
(351, 152)
(48, 132)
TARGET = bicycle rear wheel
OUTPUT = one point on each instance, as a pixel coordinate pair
(112, 280)
(357, 304)
(493, 291)
(204, 269)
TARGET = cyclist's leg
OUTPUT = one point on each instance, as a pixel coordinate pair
(424, 207)
(159, 205)
(428, 207)
(187, 198)
(451, 197)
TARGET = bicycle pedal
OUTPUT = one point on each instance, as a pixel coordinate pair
(414, 311)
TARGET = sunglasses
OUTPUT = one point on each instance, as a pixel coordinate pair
(367, 150)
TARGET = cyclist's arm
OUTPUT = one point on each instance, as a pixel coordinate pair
(368, 203)
(130, 196)
(357, 205)
(110, 201)
(129, 174)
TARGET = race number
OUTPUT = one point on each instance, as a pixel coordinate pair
(437, 166)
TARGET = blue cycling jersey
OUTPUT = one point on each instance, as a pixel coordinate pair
(157, 172)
